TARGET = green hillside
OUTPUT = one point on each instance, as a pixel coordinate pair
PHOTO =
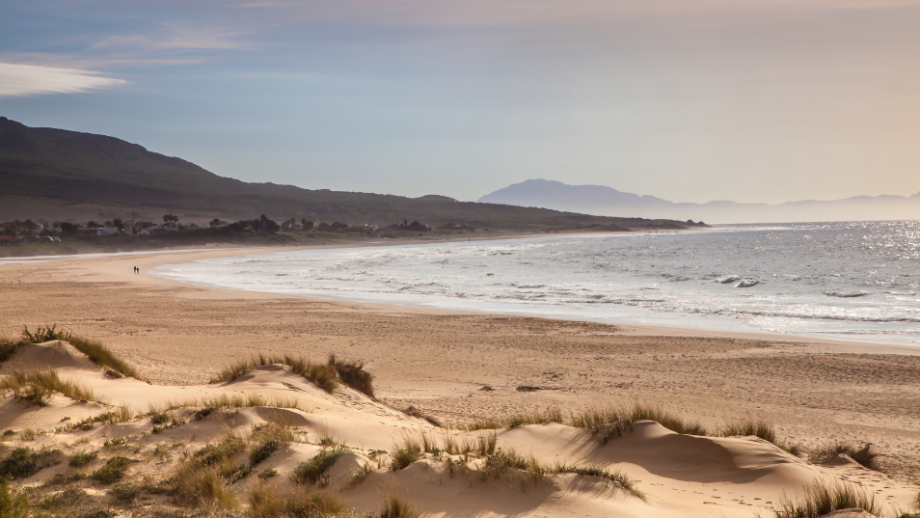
(72, 167)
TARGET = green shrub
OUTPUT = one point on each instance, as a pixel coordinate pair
(82, 459)
(113, 471)
(24, 462)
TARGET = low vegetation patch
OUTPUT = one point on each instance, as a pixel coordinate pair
(326, 376)
(820, 499)
(268, 438)
(82, 459)
(864, 455)
(12, 503)
(618, 478)
(24, 462)
(113, 471)
(314, 470)
(405, 453)
(395, 507)
(354, 375)
(35, 388)
(759, 428)
(42, 334)
(8, 348)
(265, 501)
(103, 356)
(608, 424)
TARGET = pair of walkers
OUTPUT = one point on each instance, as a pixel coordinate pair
(137, 270)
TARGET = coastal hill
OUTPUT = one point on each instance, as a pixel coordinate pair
(602, 200)
(60, 174)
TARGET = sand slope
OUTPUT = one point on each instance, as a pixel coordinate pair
(680, 475)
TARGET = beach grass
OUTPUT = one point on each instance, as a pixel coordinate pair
(326, 376)
(864, 455)
(821, 498)
(757, 428)
(396, 507)
(265, 501)
(102, 356)
(314, 470)
(35, 388)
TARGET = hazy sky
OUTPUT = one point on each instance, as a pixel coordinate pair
(688, 100)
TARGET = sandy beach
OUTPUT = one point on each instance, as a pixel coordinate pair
(456, 367)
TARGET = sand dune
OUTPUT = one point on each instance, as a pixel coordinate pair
(677, 475)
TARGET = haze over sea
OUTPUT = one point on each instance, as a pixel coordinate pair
(855, 280)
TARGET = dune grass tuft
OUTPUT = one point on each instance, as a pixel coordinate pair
(405, 453)
(864, 455)
(8, 348)
(113, 470)
(202, 479)
(35, 388)
(265, 501)
(354, 375)
(395, 507)
(102, 356)
(268, 438)
(757, 428)
(327, 375)
(820, 499)
(42, 334)
(314, 470)
(618, 478)
(608, 424)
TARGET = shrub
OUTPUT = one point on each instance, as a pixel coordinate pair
(113, 471)
(12, 505)
(325, 375)
(82, 459)
(415, 412)
(24, 462)
(821, 498)
(313, 470)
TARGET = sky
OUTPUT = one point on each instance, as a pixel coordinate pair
(687, 100)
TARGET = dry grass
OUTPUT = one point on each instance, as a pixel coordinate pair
(322, 374)
(864, 455)
(758, 428)
(354, 375)
(405, 453)
(35, 388)
(103, 356)
(395, 507)
(205, 488)
(42, 334)
(266, 502)
(8, 348)
(611, 423)
(326, 376)
(618, 478)
(823, 498)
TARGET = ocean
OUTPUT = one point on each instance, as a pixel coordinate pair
(856, 280)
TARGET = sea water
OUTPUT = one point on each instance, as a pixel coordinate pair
(856, 280)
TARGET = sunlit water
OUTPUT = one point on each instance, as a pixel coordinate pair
(858, 280)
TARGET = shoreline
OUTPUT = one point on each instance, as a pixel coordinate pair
(814, 391)
(150, 260)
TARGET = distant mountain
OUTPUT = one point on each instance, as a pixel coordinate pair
(606, 201)
(66, 173)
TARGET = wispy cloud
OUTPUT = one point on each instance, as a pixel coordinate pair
(18, 80)
(172, 37)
